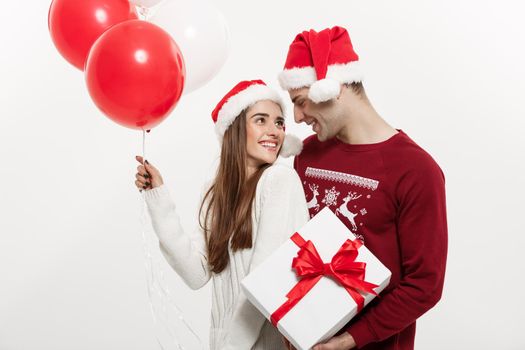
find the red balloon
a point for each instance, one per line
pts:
(76, 24)
(135, 74)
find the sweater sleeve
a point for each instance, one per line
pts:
(282, 211)
(185, 253)
(422, 235)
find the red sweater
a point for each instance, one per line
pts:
(391, 195)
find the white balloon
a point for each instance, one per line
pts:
(145, 3)
(201, 32)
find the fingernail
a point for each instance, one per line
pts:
(146, 176)
(147, 184)
(146, 161)
(144, 187)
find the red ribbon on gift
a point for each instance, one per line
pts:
(310, 268)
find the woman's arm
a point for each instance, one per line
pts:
(185, 253)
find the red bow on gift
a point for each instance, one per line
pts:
(310, 268)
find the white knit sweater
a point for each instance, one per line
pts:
(279, 209)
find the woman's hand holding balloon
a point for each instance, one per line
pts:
(147, 176)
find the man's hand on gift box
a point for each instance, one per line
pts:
(340, 342)
(288, 345)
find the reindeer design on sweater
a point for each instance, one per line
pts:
(313, 202)
(343, 209)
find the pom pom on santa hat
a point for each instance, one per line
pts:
(242, 96)
(321, 61)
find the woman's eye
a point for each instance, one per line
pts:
(259, 121)
(280, 123)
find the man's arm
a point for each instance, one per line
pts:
(422, 234)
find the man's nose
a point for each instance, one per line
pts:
(298, 115)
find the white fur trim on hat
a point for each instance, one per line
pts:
(296, 78)
(324, 90)
(292, 146)
(244, 99)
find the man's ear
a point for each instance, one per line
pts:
(345, 88)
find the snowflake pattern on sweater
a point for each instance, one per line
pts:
(350, 209)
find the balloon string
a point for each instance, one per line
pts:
(148, 257)
(159, 286)
(143, 145)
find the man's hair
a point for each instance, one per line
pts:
(357, 88)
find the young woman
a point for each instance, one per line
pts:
(250, 209)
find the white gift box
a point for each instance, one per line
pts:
(328, 306)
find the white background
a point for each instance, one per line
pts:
(449, 73)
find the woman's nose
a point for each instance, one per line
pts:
(272, 129)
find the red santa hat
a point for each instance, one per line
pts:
(321, 61)
(244, 95)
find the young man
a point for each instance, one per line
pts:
(387, 190)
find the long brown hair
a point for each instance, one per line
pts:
(230, 198)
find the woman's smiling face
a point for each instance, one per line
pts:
(264, 133)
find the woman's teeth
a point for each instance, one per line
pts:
(270, 145)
